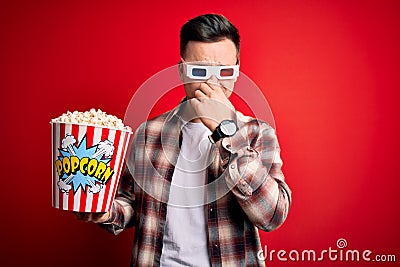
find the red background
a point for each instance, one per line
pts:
(329, 70)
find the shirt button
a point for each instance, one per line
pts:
(211, 209)
(215, 246)
(232, 166)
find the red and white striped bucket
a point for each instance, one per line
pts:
(87, 164)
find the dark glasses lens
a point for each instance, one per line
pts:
(226, 72)
(197, 72)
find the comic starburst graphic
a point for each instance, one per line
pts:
(78, 179)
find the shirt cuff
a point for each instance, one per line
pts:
(243, 162)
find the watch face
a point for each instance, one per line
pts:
(228, 127)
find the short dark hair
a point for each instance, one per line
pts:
(208, 28)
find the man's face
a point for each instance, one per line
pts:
(218, 53)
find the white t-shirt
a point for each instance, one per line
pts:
(185, 235)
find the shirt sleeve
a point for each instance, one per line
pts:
(255, 176)
(121, 212)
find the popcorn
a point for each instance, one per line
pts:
(92, 117)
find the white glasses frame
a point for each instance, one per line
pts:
(210, 70)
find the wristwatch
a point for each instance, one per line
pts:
(226, 128)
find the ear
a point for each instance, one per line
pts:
(237, 63)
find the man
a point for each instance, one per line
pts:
(203, 178)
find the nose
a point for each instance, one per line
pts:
(227, 85)
(213, 80)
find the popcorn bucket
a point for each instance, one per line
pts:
(87, 164)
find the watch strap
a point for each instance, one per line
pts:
(216, 135)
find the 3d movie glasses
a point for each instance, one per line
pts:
(204, 72)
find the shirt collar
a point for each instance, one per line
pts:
(177, 111)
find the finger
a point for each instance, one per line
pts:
(206, 89)
(199, 94)
(213, 85)
(89, 217)
(97, 216)
(79, 215)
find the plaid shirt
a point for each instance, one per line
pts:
(246, 191)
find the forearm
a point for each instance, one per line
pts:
(265, 200)
(253, 172)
